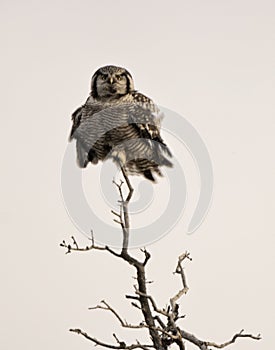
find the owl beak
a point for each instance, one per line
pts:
(111, 80)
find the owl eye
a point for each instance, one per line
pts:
(119, 77)
(103, 76)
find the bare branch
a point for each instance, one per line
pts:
(117, 340)
(74, 242)
(131, 297)
(119, 187)
(180, 343)
(122, 345)
(157, 318)
(136, 306)
(131, 190)
(116, 214)
(124, 215)
(234, 338)
(156, 309)
(147, 256)
(204, 345)
(194, 340)
(119, 222)
(75, 247)
(179, 270)
(112, 310)
(112, 252)
(128, 325)
(167, 332)
(158, 329)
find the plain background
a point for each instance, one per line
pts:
(212, 61)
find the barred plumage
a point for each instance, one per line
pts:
(120, 123)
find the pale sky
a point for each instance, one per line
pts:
(211, 61)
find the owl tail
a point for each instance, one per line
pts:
(145, 167)
(148, 175)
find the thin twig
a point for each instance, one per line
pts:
(110, 346)
(234, 338)
(116, 214)
(131, 297)
(147, 256)
(75, 247)
(114, 312)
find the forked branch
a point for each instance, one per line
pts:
(160, 322)
(180, 270)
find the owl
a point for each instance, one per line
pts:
(117, 122)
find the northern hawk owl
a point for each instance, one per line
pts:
(120, 123)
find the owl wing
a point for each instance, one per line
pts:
(82, 154)
(97, 130)
(146, 119)
(79, 116)
(76, 119)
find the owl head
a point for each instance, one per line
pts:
(111, 82)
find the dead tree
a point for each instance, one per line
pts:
(161, 323)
